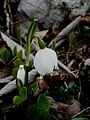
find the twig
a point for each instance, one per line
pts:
(60, 42)
(66, 30)
(12, 44)
(71, 63)
(11, 61)
(66, 69)
(6, 80)
(81, 112)
(7, 11)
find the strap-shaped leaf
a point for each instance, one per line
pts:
(19, 84)
(31, 30)
(23, 93)
(30, 35)
(40, 42)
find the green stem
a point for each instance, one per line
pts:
(26, 76)
(30, 35)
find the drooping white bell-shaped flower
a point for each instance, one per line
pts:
(21, 73)
(45, 61)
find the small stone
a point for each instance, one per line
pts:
(87, 62)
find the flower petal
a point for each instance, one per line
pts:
(45, 60)
(21, 73)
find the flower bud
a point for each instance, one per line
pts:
(21, 73)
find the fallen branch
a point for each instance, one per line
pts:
(71, 63)
(60, 42)
(12, 44)
(81, 112)
(66, 30)
(66, 69)
(6, 79)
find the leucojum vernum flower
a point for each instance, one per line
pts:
(45, 61)
(21, 74)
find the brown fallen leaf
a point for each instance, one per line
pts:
(5, 72)
(73, 109)
(67, 109)
(84, 19)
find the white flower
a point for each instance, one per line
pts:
(45, 61)
(21, 73)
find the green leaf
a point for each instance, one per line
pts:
(14, 72)
(53, 45)
(17, 100)
(32, 30)
(26, 51)
(17, 62)
(33, 113)
(26, 75)
(45, 91)
(14, 52)
(71, 41)
(41, 43)
(19, 33)
(4, 54)
(19, 54)
(71, 37)
(32, 88)
(23, 93)
(30, 35)
(30, 64)
(81, 118)
(40, 111)
(19, 84)
(43, 103)
(43, 107)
